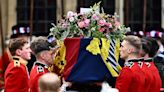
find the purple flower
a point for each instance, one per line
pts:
(95, 17)
(64, 25)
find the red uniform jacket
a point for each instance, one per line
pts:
(37, 70)
(131, 78)
(16, 76)
(4, 61)
(157, 83)
(148, 77)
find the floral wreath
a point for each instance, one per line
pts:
(90, 24)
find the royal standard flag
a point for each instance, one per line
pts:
(90, 60)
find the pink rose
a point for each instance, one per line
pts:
(117, 23)
(101, 30)
(109, 25)
(102, 22)
(86, 21)
(81, 24)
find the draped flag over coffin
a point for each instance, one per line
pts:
(91, 59)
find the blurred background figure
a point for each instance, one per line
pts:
(4, 61)
(49, 82)
(159, 61)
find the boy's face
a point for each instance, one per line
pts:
(47, 56)
(25, 52)
(125, 50)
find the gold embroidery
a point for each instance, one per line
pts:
(93, 47)
(16, 63)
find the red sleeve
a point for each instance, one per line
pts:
(16, 80)
(34, 83)
(1, 75)
(1, 79)
(6, 59)
(124, 80)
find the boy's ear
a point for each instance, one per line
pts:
(18, 52)
(43, 54)
(130, 50)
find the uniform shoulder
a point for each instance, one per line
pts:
(16, 62)
(129, 64)
(40, 67)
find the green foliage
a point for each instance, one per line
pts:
(90, 24)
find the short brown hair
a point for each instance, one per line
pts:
(146, 44)
(39, 44)
(153, 46)
(16, 43)
(134, 41)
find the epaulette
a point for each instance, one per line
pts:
(129, 64)
(40, 64)
(147, 64)
(140, 64)
(16, 62)
(40, 69)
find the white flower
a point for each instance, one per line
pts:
(71, 19)
(69, 14)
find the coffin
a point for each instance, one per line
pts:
(88, 60)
